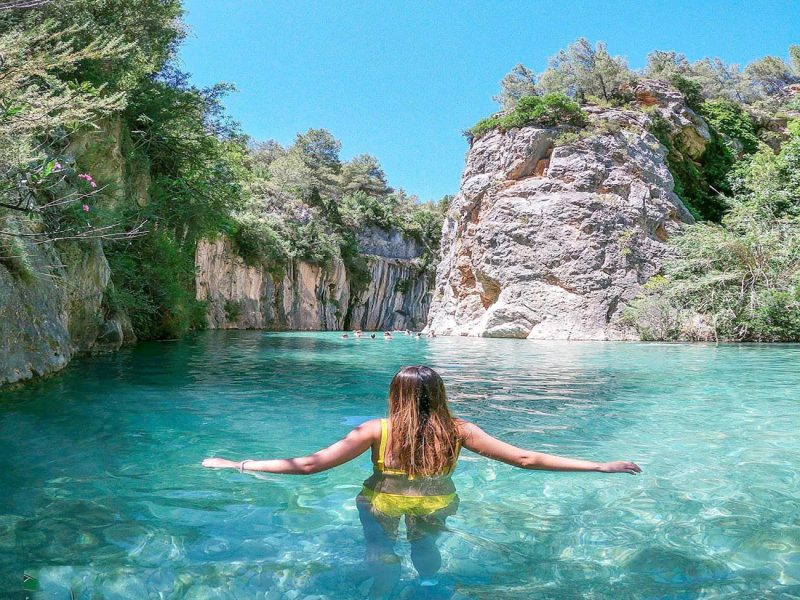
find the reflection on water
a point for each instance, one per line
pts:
(102, 492)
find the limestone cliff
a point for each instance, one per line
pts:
(51, 295)
(51, 307)
(309, 297)
(549, 237)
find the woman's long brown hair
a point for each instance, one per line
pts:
(424, 435)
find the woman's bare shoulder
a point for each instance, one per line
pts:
(373, 426)
(465, 428)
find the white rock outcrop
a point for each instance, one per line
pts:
(549, 241)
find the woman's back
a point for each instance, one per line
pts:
(414, 453)
(393, 491)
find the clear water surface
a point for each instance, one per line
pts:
(102, 494)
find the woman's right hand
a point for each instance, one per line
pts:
(620, 466)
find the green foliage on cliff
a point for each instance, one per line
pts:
(310, 205)
(733, 122)
(543, 111)
(742, 277)
(99, 79)
(735, 274)
(700, 185)
(103, 72)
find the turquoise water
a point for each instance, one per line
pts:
(102, 495)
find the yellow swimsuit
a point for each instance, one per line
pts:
(394, 492)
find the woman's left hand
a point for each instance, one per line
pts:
(620, 466)
(217, 463)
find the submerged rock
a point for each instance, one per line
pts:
(548, 240)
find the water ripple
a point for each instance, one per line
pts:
(103, 495)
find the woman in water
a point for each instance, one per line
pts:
(414, 453)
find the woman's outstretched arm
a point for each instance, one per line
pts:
(352, 445)
(477, 440)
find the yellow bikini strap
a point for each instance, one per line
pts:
(382, 448)
(458, 450)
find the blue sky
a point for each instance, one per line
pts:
(401, 80)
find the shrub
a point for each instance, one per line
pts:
(233, 310)
(691, 90)
(777, 315)
(402, 286)
(357, 266)
(313, 243)
(731, 120)
(565, 138)
(700, 186)
(14, 254)
(259, 244)
(545, 111)
(153, 281)
(741, 277)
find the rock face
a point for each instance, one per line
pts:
(241, 297)
(51, 307)
(51, 298)
(549, 241)
(398, 297)
(309, 297)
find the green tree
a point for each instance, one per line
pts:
(519, 82)
(151, 30)
(310, 168)
(364, 173)
(665, 65)
(794, 57)
(261, 155)
(320, 148)
(769, 75)
(39, 96)
(583, 71)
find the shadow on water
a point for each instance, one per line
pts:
(102, 489)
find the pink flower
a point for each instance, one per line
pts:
(85, 177)
(85, 208)
(57, 167)
(93, 184)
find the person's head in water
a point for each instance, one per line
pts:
(424, 434)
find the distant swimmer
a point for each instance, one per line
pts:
(345, 336)
(431, 333)
(387, 335)
(419, 334)
(357, 333)
(372, 336)
(407, 332)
